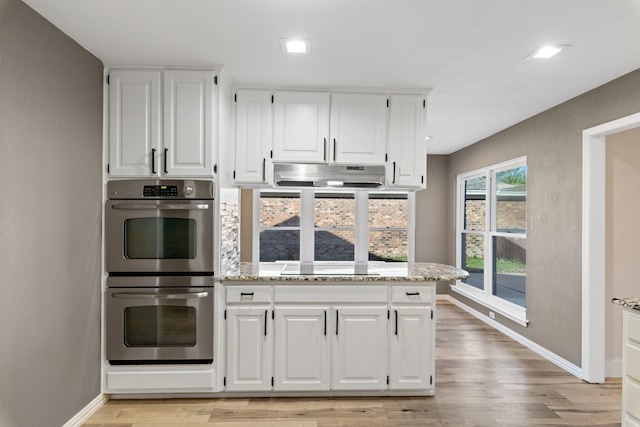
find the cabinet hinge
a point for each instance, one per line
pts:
(272, 382)
(272, 99)
(424, 103)
(430, 379)
(215, 80)
(387, 107)
(387, 379)
(431, 314)
(235, 97)
(224, 381)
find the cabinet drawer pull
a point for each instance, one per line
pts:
(412, 294)
(246, 294)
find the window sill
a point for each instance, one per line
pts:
(512, 312)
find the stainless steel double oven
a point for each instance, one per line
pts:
(160, 260)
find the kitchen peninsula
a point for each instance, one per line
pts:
(335, 328)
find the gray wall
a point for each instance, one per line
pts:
(50, 219)
(432, 236)
(552, 142)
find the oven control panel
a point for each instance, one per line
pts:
(160, 191)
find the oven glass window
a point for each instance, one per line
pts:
(160, 326)
(160, 238)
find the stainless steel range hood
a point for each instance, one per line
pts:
(332, 176)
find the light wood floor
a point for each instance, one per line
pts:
(483, 378)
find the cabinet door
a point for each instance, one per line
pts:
(134, 122)
(360, 356)
(253, 136)
(411, 348)
(188, 123)
(407, 165)
(301, 349)
(359, 128)
(301, 126)
(249, 349)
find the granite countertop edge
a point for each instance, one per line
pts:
(411, 272)
(632, 303)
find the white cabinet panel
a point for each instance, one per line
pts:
(301, 126)
(134, 122)
(360, 348)
(249, 349)
(359, 128)
(407, 165)
(254, 136)
(188, 123)
(411, 348)
(302, 348)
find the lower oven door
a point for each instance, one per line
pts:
(159, 325)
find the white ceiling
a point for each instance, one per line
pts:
(469, 52)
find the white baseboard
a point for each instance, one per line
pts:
(613, 368)
(87, 411)
(536, 348)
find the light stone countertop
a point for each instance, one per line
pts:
(344, 271)
(633, 303)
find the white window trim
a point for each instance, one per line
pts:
(503, 307)
(307, 225)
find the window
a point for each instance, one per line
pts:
(492, 237)
(316, 225)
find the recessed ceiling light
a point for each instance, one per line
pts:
(295, 45)
(546, 52)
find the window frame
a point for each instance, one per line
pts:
(307, 227)
(485, 296)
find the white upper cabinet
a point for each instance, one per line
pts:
(301, 126)
(134, 122)
(358, 128)
(148, 138)
(407, 165)
(188, 123)
(254, 136)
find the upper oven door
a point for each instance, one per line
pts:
(159, 236)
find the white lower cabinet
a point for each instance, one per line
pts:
(360, 353)
(249, 349)
(302, 349)
(330, 338)
(410, 349)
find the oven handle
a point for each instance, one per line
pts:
(161, 207)
(187, 295)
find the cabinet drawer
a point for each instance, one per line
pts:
(632, 398)
(332, 294)
(412, 294)
(249, 294)
(633, 327)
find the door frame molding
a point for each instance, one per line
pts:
(593, 243)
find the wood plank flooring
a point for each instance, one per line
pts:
(483, 378)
